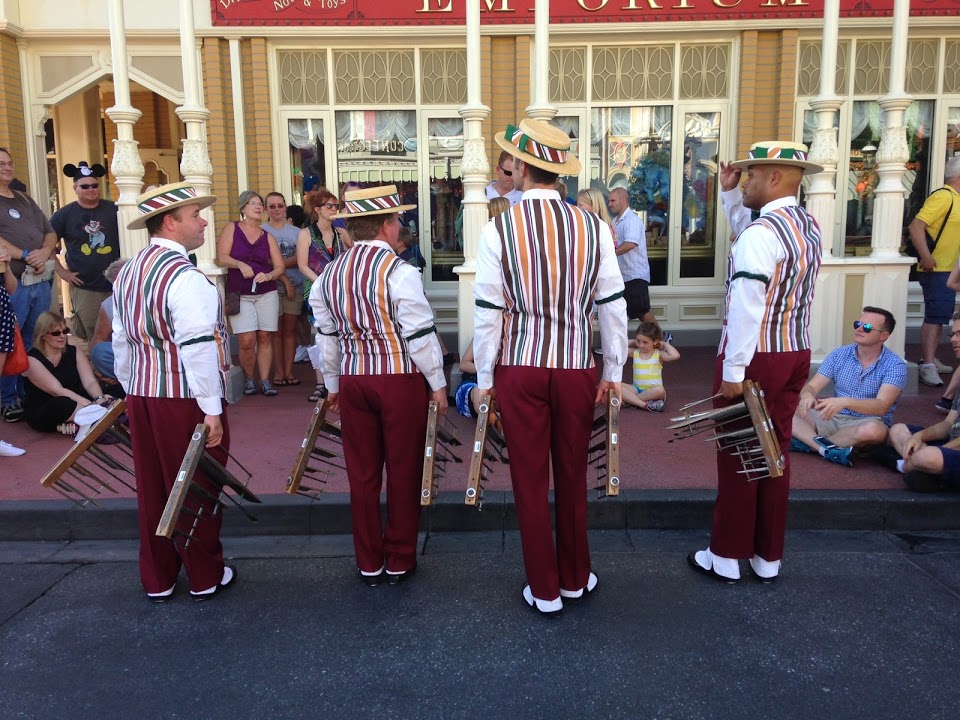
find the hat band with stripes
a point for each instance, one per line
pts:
(527, 144)
(366, 205)
(158, 202)
(777, 153)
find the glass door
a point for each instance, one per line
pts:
(440, 222)
(307, 156)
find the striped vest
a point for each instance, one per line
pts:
(550, 261)
(140, 301)
(789, 300)
(357, 294)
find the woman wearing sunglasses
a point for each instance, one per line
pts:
(60, 380)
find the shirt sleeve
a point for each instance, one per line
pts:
(935, 208)
(611, 309)
(738, 215)
(490, 305)
(828, 368)
(756, 254)
(121, 351)
(327, 341)
(896, 374)
(57, 223)
(415, 318)
(194, 307)
(631, 229)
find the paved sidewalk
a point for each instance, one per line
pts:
(860, 625)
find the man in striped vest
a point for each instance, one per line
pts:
(379, 351)
(171, 352)
(540, 268)
(772, 271)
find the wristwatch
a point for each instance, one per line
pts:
(25, 253)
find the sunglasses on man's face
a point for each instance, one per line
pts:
(867, 327)
(94, 186)
(508, 173)
(58, 333)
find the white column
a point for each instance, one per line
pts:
(475, 170)
(34, 118)
(541, 108)
(892, 156)
(239, 130)
(826, 328)
(195, 164)
(126, 167)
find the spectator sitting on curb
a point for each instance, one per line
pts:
(931, 456)
(868, 380)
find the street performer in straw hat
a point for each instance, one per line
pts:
(379, 352)
(171, 351)
(772, 271)
(540, 268)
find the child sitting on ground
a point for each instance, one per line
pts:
(651, 350)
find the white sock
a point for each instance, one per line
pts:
(728, 567)
(900, 466)
(765, 568)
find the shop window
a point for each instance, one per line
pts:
(307, 158)
(703, 71)
(443, 243)
(951, 67)
(862, 178)
(952, 144)
(633, 73)
(809, 64)
(630, 148)
(701, 149)
(567, 75)
(368, 77)
(302, 77)
(443, 77)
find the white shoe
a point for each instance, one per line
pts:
(8, 450)
(941, 368)
(929, 376)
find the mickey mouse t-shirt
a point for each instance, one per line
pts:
(92, 240)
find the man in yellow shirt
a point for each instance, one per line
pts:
(939, 218)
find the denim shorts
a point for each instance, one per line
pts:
(951, 457)
(938, 299)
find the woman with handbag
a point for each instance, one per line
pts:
(318, 244)
(8, 331)
(253, 261)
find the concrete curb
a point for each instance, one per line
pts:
(873, 510)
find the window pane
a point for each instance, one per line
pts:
(630, 148)
(953, 132)
(445, 250)
(571, 126)
(701, 150)
(307, 159)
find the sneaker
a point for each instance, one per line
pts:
(266, 387)
(797, 446)
(8, 450)
(249, 387)
(929, 376)
(942, 368)
(840, 455)
(944, 405)
(302, 355)
(655, 405)
(12, 413)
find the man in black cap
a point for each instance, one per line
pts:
(88, 229)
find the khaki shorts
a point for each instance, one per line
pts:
(288, 306)
(257, 312)
(826, 428)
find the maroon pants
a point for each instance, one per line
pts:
(160, 429)
(750, 517)
(547, 416)
(384, 420)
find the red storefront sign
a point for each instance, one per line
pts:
(379, 13)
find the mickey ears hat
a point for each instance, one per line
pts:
(84, 171)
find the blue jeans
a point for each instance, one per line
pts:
(102, 358)
(28, 302)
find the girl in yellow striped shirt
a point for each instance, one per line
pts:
(651, 350)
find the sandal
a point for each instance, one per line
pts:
(291, 381)
(267, 389)
(249, 387)
(68, 428)
(318, 394)
(282, 382)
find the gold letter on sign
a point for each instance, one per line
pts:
(632, 5)
(600, 5)
(504, 5)
(438, 8)
(784, 3)
(720, 3)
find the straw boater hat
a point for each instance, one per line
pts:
(376, 200)
(167, 197)
(539, 143)
(778, 153)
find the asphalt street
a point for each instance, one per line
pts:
(860, 625)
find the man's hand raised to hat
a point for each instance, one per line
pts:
(729, 176)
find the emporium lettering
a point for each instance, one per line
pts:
(447, 6)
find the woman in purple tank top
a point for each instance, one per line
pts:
(254, 262)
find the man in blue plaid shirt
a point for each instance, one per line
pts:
(868, 379)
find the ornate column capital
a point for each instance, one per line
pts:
(195, 162)
(126, 161)
(474, 160)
